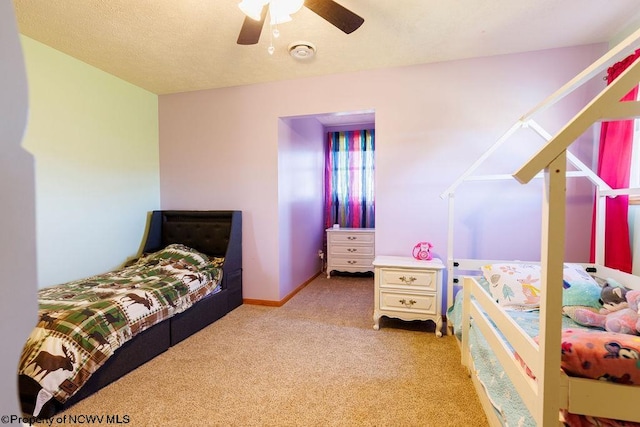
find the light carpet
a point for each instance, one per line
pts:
(315, 361)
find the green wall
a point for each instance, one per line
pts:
(95, 142)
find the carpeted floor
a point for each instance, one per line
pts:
(316, 361)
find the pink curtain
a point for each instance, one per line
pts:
(349, 169)
(614, 165)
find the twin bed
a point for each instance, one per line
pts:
(503, 348)
(93, 331)
(530, 362)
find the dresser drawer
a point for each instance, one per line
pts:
(354, 238)
(403, 279)
(411, 303)
(351, 250)
(351, 261)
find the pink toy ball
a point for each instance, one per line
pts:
(422, 251)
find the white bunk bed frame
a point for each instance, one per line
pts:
(553, 390)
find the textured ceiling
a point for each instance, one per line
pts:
(168, 46)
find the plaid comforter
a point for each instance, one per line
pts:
(82, 323)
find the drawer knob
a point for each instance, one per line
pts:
(351, 261)
(351, 237)
(407, 303)
(408, 280)
(352, 250)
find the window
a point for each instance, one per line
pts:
(349, 179)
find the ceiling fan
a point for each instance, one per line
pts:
(256, 11)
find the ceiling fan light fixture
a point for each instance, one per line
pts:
(280, 11)
(252, 8)
(302, 50)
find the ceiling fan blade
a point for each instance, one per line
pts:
(251, 29)
(337, 15)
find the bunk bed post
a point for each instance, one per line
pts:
(450, 266)
(552, 264)
(600, 218)
(466, 325)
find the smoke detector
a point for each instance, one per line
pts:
(302, 50)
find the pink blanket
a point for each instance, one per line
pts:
(609, 356)
(602, 355)
(591, 353)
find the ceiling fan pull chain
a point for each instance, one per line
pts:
(271, 49)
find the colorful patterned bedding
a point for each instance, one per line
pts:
(508, 406)
(586, 352)
(82, 323)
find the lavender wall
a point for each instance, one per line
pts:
(300, 200)
(219, 149)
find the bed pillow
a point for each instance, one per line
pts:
(176, 252)
(575, 273)
(517, 285)
(514, 285)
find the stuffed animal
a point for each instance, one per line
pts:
(613, 298)
(625, 320)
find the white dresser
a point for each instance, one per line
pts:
(408, 289)
(350, 250)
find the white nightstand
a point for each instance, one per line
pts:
(350, 249)
(408, 289)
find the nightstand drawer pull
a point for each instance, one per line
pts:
(352, 250)
(351, 261)
(352, 238)
(408, 280)
(407, 303)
